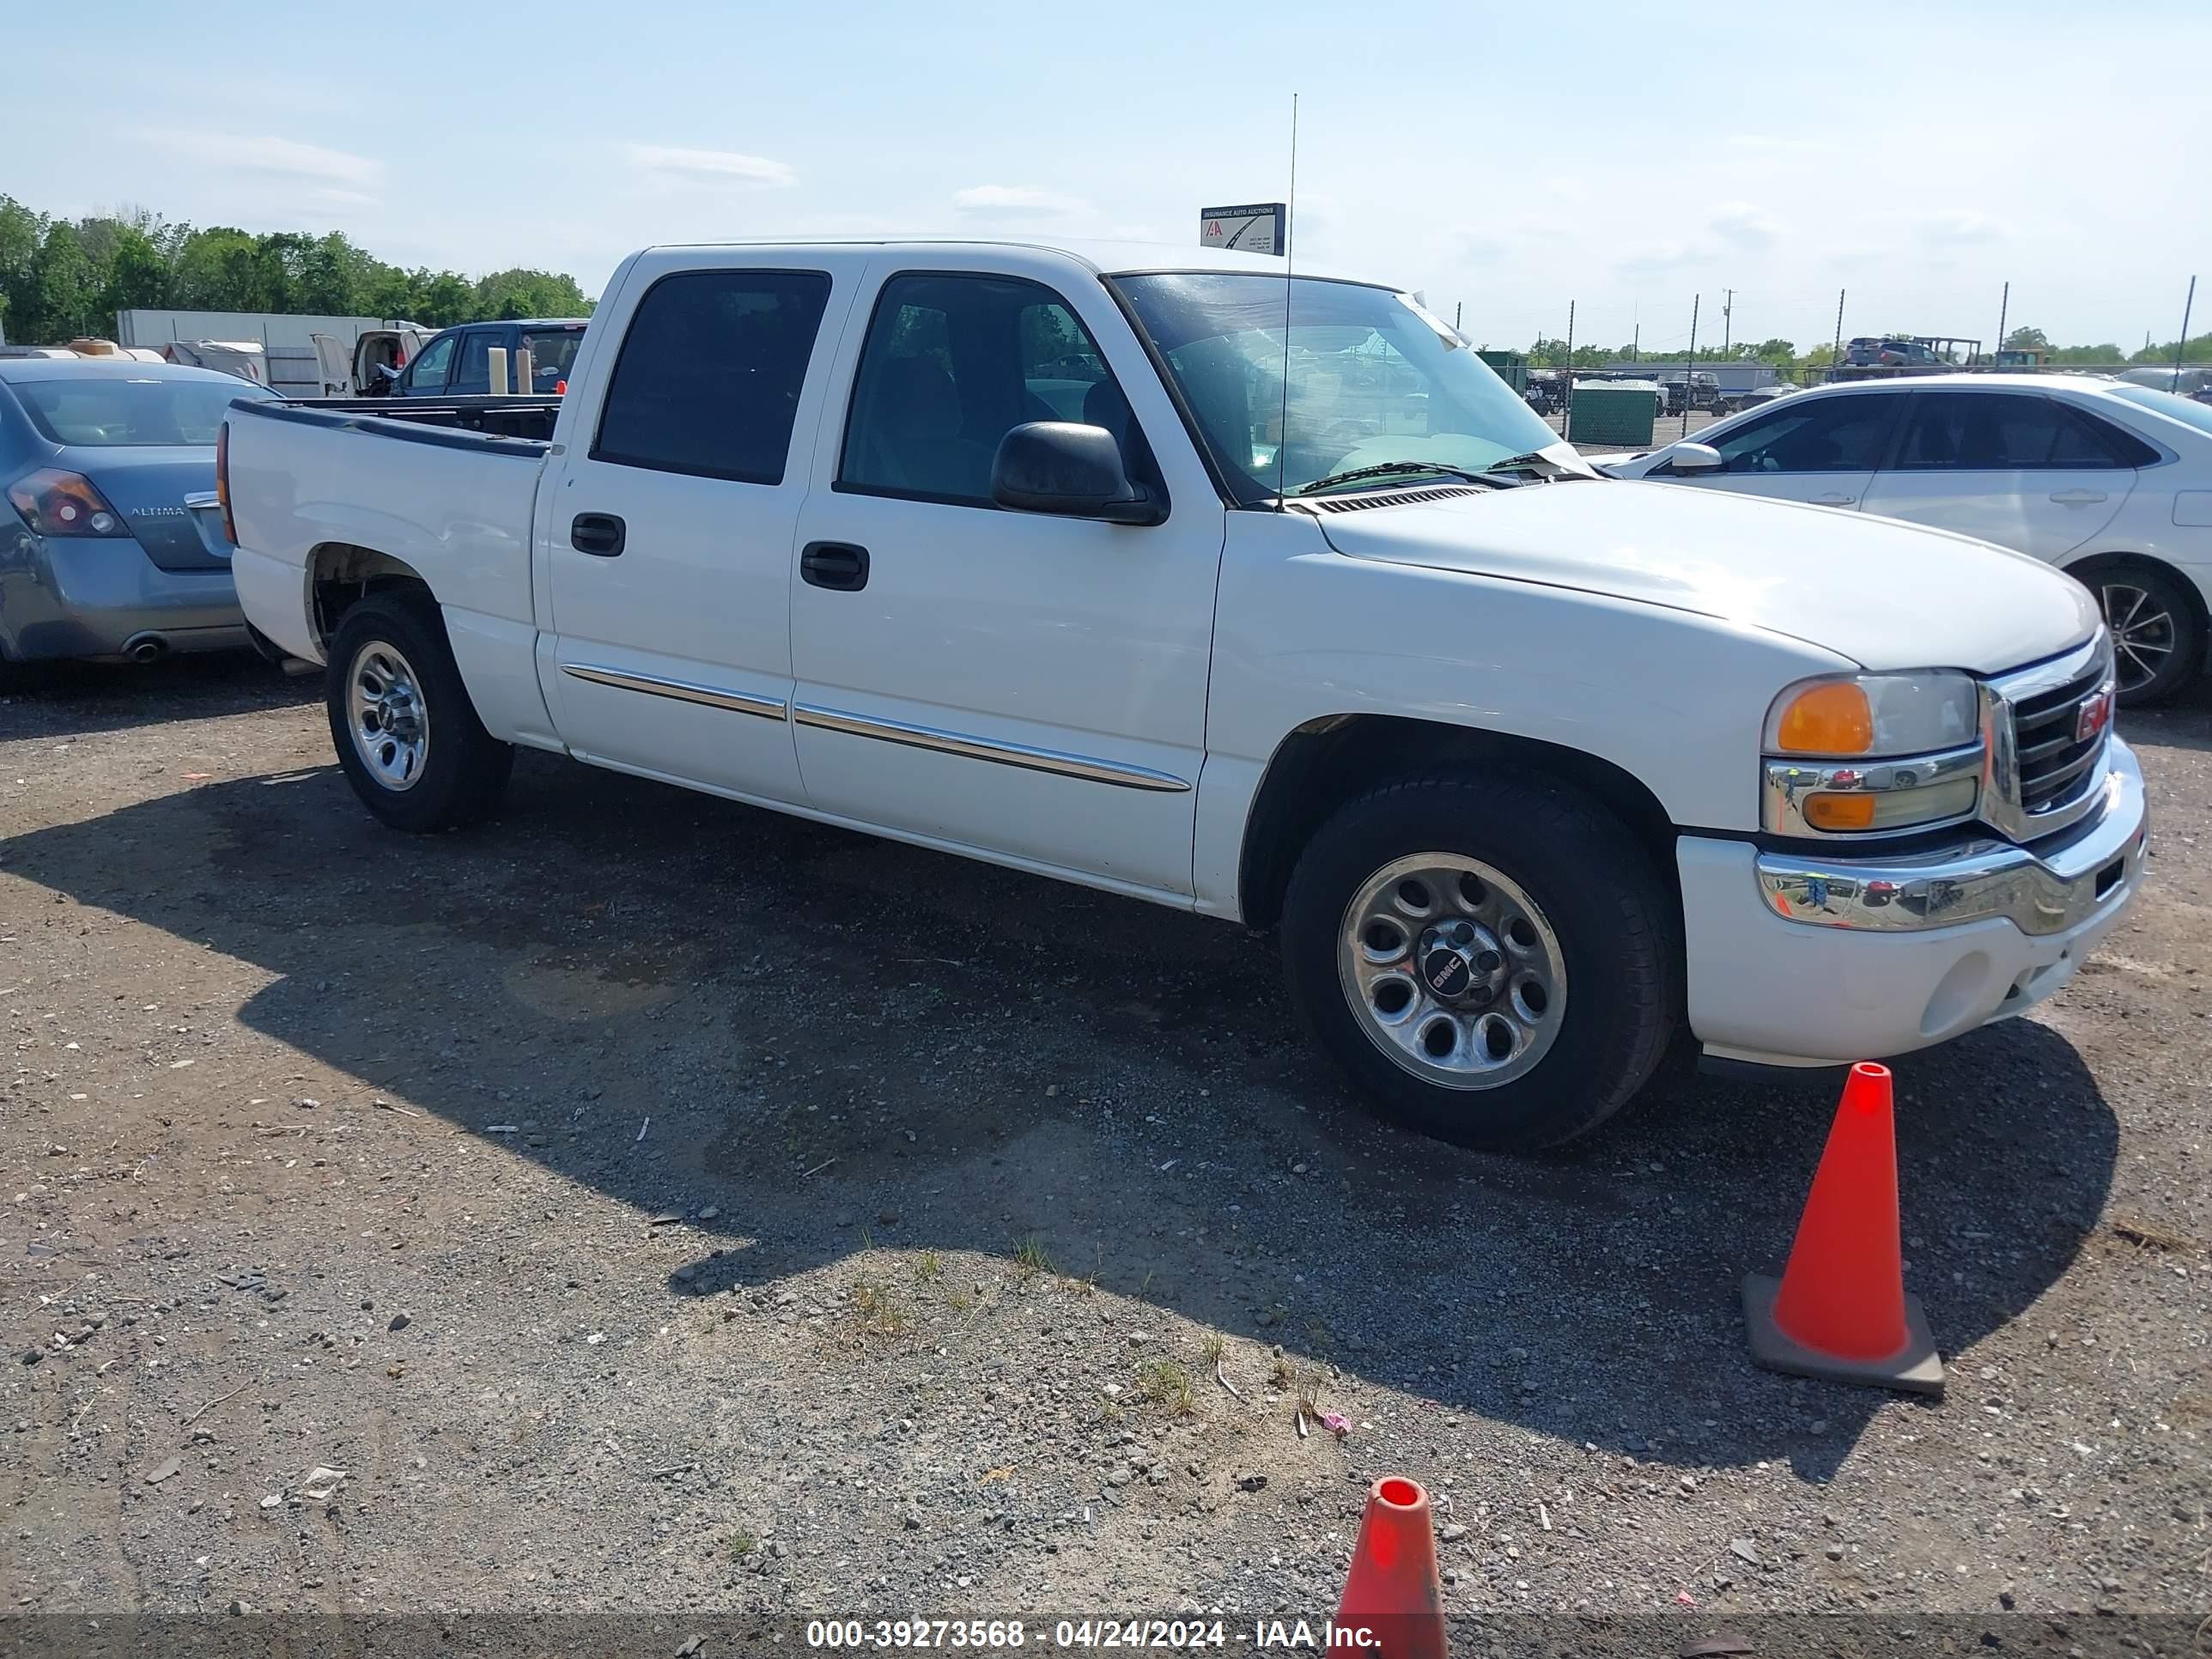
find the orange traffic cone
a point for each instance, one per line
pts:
(1840, 1311)
(1392, 1591)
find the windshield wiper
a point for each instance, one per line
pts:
(1385, 468)
(1535, 461)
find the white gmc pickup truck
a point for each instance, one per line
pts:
(1067, 558)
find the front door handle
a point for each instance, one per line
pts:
(599, 534)
(2078, 497)
(1832, 499)
(839, 566)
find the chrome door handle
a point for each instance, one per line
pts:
(2078, 497)
(1832, 499)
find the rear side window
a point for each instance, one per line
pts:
(474, 375)
(2001, 431)
(709, 379)
(1814, 434)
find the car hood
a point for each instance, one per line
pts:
(1885, 595)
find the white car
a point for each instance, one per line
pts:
(2110, 482)
(1006, 551)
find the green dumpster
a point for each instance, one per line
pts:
(1615, 411)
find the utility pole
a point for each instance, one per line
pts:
(2004, 308)
(1458, 306)
(1636, 346)
(1836, 355)
(1727, 317)
(2181, 347)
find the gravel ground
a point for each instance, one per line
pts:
(649, 1203)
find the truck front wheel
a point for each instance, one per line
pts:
(406, 733)
(1489, 957)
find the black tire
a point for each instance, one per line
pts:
(2129, 592)
(464, 769)
(1614, 921)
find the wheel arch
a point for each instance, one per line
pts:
(340, 574)
(1328, 761)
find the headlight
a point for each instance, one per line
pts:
(1873, 753)
(1866, 714)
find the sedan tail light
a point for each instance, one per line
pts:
(58, 503)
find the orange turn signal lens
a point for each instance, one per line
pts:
(1833, 718)
(1839, 813)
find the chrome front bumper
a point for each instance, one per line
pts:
(2055, 886)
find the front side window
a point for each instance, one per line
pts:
(127, 411)
(2001, 431)
(710, 373)
(954, 361)
(1372, 379)
(431, 368)
(1814, 434)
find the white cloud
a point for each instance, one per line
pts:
(279, 156)
(1661, 257)
(1953, 229)
(1017, 202)
(1744, 225)
(671, 163)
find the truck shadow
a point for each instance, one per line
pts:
(841, 1040)
(71, 699)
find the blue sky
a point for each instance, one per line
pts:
(1507, 159)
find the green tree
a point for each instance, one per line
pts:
(22, 231)
(520, 293)
(2028, 339)
(138, 272)
(335, 278)
(65, 287)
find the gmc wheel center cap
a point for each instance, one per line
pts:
(1461, 963)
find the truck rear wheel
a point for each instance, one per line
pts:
(406, 733)
(1489, 957)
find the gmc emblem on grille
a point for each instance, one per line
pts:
(2094, 715)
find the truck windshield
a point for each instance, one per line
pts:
(1373, 378)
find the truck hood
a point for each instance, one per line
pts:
(1885, 594)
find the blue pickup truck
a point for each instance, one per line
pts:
(457, 361)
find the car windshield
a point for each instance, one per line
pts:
(1373, 379)
(2187, 410)
(119, 411)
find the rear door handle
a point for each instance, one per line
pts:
(1832, 499)
(2078, 497)
(599, 534)
(839, 566)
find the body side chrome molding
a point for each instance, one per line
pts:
(1086, 767)
(652, 685)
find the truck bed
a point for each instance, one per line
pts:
(526, 418)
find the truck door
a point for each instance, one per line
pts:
(1025, 686)
(666, 530)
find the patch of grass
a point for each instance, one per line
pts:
(741, 1543)
(1283, 1373)
(929, 1268)
(2143, 1233)
(1319, 1336)
(1030, 1258)
(959, 1301)
(1166, 1384)
(1216, 1346)
(875, 1311)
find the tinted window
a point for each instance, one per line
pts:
(552, 354)
(950, 364)
(124, 412)
(430, 369)
(1814, 434)
(474, 375)
(710, 372)
(1997, 432)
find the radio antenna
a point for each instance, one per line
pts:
(1290, 233)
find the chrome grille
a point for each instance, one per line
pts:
(2044, 777)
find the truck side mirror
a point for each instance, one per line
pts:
(1070, 469)
(1694, 457)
